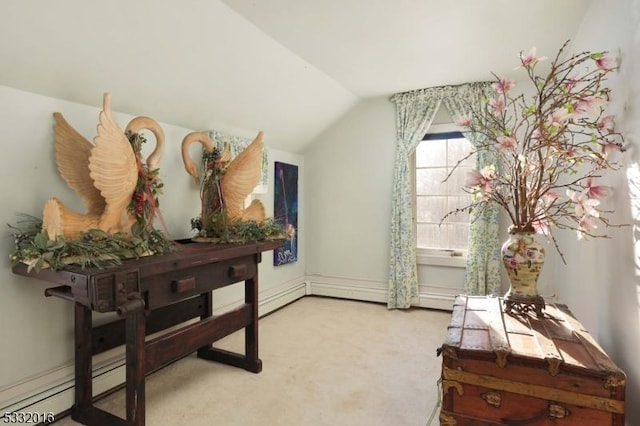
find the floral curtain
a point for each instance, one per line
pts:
(483, 258)
(236, 146)
(414, 112)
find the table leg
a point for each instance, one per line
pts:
(135, 357)
(83, 370)
(83, 410)
(251, 331)
(249, 361)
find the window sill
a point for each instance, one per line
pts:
(441, 260)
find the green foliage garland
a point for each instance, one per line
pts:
(95, 247)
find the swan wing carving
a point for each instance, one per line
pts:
(104, 174)
(72, 151)
(241, 177)
(113, 168)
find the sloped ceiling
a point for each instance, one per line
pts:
(379, 47)
(288, 67)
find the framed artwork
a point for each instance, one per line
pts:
(285, 211)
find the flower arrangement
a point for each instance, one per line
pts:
(547, 149)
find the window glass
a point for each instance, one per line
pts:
(435, 159)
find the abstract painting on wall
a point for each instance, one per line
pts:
(285, 211)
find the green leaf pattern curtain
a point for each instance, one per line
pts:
(483, 256)
(414, 112)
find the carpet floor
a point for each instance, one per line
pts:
(325, 362)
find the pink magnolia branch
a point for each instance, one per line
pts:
(548, 148)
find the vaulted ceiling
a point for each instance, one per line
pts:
(288, 67)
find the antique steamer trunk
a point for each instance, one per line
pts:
(512, 369)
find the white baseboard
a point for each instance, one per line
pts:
(375, 291)
(53, 391)
(347, 288)
(440, 301)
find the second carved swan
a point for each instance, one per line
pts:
(227, 182)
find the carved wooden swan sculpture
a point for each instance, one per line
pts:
(104, 174)
(227, 183)
(202, 138)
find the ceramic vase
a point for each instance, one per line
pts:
(523, 258)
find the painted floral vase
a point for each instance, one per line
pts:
(523, 257)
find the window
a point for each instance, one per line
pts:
(435, 158)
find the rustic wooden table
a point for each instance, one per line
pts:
(152, 294)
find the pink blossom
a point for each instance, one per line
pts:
(498, 104)
(474, 178)
(541, 226)
(536, 134)
(530, 58)
(503, 85)
(464, 121)
(507, 142)
(583, 205)
(606, 62)
(570, 82)
(549, 198)
(596, 191)
(560, 116)
(481, 179)
(571, 152)
(609, 147)
(585, 225)
(588, 105)
(606, 124)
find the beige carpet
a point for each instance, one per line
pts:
(325, 362)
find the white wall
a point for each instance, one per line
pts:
(37, 332)
(600, 282)
(349, 176)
